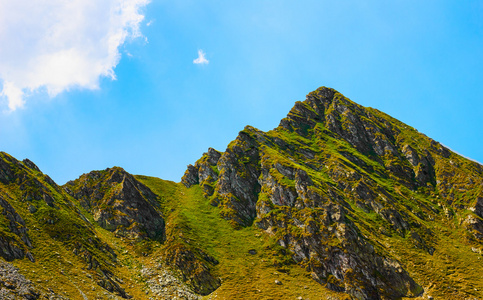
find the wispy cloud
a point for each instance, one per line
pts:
(201, 58)
(57, 45)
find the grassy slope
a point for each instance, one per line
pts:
(244, 276)
(453, 269)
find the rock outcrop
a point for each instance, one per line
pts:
(194, 268)
(204, 172)
(119, 203)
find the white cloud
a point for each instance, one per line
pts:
(59, 45)
(14, 95)
(201, 58)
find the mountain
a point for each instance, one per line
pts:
(340, 201)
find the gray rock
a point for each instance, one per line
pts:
(164, 285)
(12, 249)
(134, 207)
(14, 285)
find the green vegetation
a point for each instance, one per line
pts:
(243, 275)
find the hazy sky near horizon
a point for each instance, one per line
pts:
(150, 85)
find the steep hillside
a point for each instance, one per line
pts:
(339, 201)
(360, 199)
(41, 222)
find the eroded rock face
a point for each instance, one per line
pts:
(33, 191)
(231, 176)
(478, 208)
(26, 176)
(8, 166)
(119, 203)
(238, 187)
(11, 249)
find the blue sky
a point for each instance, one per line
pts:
(152, 111)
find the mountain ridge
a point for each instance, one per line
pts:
(346, 199)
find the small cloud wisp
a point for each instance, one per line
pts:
(201, 60)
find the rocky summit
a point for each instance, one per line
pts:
(339, 201)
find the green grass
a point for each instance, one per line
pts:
(244, 276)
(454, 270)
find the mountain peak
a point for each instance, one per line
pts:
(328, 167)
(135, 212)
